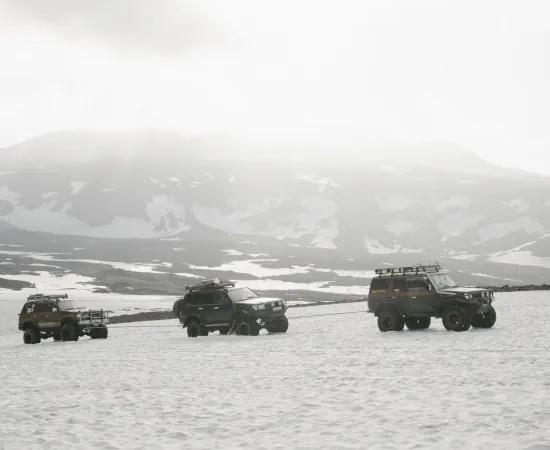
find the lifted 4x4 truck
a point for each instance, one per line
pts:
(219, 305)
(411, 296)
(45, 316)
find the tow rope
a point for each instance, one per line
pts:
(289, 318)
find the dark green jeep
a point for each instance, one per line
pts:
(219, 305)
(413, 295)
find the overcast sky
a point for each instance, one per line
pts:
(475, 73)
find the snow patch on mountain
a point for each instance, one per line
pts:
(456, 224)
(376, 248)
(399, 227)
(501, 229)
(77, 186)
(165, 215)
(395, 203)
(454, 202)
(520, 258)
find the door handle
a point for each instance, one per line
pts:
(413, 298)
(200, 309)
(216, 307)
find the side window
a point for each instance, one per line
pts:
(194, 299)
(28, 308)
(379, 285)
(213, 298)
(399, 285)
(219, 298)
(43, 307)
(417, 285)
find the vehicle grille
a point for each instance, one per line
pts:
(93, 316)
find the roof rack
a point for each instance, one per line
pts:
(430, 268)
(210, 284)
(46, 297)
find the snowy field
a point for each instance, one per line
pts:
(330, 382)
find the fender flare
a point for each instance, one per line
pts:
(386, 306)
(190, 318)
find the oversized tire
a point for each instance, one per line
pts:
(247, 328)
(31, 336)
(193, 328)
(278, 326)
(204, 331)
(390, 320)
(99, 333)
(456, 318)
(485, 320)
(424, 322)
(417, 323)
(69, 332)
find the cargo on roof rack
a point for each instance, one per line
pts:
(38, 297)
(430, 268)
(210, 284)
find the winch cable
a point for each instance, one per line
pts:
(289, 318)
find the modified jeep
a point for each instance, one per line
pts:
(45, 316)
(216, 305)
(412, 295)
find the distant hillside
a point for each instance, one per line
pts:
(349, 207)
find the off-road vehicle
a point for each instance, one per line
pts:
(45, 316)
(219, 305)
(411, 296)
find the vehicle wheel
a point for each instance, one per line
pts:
(204, 331)
(390, 320)
(69, 332)
(417, 323)
(99, 333)
(56, 336)
(485, 320)
(31, 336)
(193, 329)
(424, 322)
(279, 326)
(456, 319)
(247, 328)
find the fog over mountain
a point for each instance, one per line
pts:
(385, 203)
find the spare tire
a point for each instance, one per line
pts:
(176, 307)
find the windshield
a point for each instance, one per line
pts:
(442, 281)
(240, 294)
(68, 304)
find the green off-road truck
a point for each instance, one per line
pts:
(216, 305)
(411, 296)
(45, 316)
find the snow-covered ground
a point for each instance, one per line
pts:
(330, 382)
